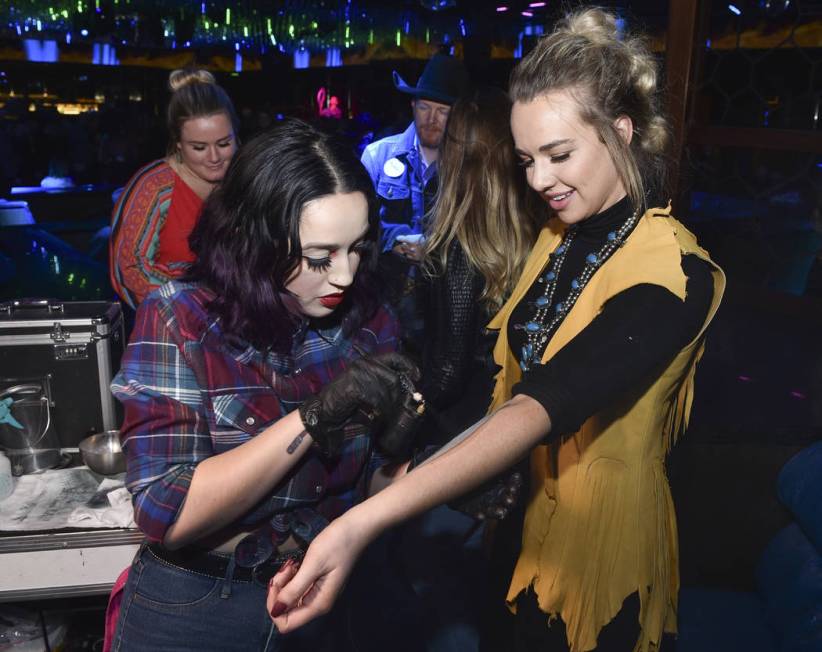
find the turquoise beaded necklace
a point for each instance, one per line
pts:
(546, 319)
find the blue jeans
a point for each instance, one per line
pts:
(168, 608)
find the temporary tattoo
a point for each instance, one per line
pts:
(294, 445)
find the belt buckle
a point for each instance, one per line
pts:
(256, 552)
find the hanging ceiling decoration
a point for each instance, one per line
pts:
(290, 26)
(315, 32)
(438, 5)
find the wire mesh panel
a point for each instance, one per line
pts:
(762, 65)
(754, 161)
(752, 170)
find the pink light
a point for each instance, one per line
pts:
(796, 394)
(528, 14)
(535, 5)
(744, 379)
(501, 9)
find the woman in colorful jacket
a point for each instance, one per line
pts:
(598, 346)
(254, 391)
(160, 204)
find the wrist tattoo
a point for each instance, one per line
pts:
(294, 445)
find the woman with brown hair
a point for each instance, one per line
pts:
(482, 228)
(480, 232)
(598, 346)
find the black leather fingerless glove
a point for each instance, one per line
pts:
(396, 440)
(372, 390)
(327, 435)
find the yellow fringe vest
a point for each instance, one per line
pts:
(600, 522)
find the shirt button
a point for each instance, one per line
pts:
(297, 371)
(318, 489)
(250, 421)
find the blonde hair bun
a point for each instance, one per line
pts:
(595, 25)
(657, 135)
(185, 76)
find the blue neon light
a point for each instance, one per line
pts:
(40, 51)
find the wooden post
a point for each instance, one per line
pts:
(679, 67)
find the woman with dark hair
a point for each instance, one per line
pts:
(256, 390)
(598, 346)
(160, 204)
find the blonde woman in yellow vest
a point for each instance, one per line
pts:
(597, 346)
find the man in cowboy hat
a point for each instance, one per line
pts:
(403, 167)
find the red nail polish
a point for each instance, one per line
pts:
(278, 609)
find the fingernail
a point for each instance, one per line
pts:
(278, 609)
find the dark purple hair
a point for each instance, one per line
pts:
(247, 241)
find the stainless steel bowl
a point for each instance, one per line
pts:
(102, 453)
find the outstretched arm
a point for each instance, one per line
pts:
(642, 329)
(295, 599)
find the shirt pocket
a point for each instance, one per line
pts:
(241, 414)
(393, 189)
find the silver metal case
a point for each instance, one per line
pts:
(72, 349)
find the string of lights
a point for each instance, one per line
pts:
(312, 32)
(253, 27)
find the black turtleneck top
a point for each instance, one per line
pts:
(638, 332)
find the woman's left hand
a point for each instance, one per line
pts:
(299, 594)
(493, 500)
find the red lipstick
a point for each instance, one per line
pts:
(332, 300)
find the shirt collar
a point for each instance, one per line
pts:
(424, 170)
(424, 165)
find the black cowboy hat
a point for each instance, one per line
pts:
(444, 79)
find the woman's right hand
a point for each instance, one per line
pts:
(299, 594)
(370, 390)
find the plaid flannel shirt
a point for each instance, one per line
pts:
(189, 394)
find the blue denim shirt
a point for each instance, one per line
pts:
(402, 204)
